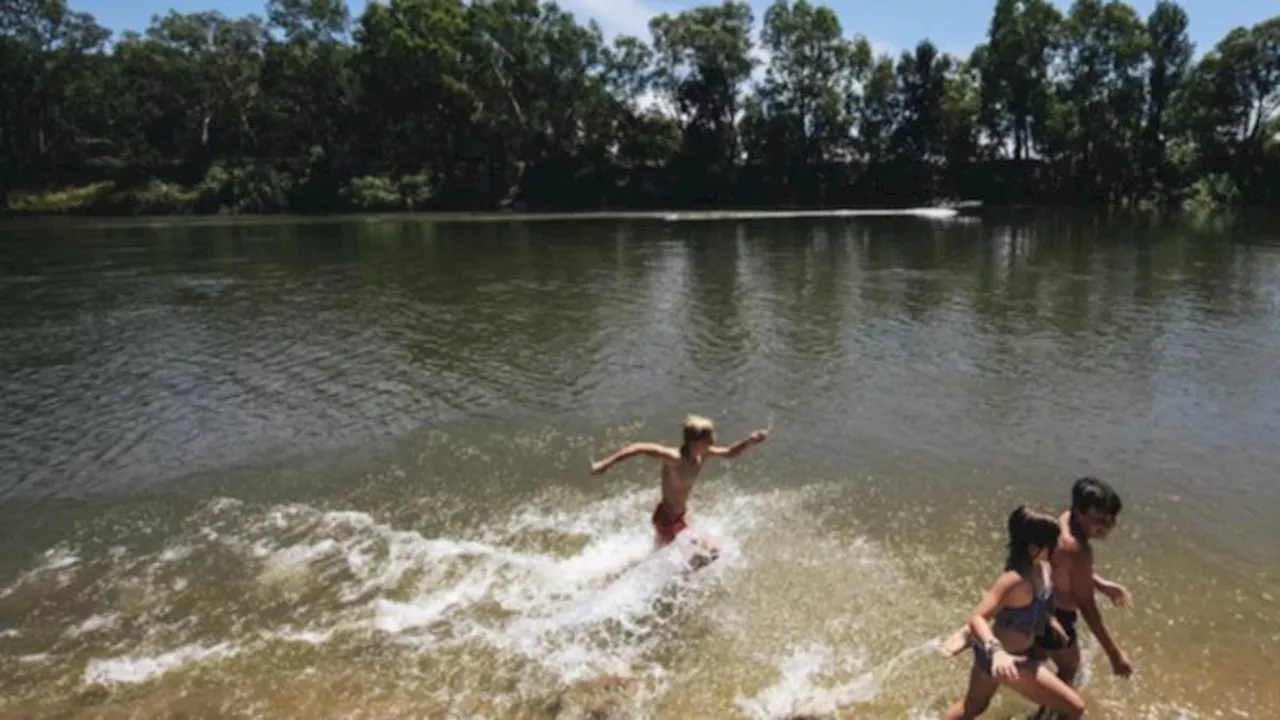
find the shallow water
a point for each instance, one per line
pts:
(338, 469)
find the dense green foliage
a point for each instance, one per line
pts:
(429, 104)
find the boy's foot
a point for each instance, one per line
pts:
(705, 552)
(701, 560)
(955, 644)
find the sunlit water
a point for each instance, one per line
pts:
(338, 469)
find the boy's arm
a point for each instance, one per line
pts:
(1117, 593)
(1082, 584)
(650, 449)
(737, 448)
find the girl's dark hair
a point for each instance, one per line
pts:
(1030, 527)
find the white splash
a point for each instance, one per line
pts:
(799, 693)
(56, 561)
(308, 637)
(795, 686)
(94, 623)
(570, 585)
(141, 668)
(59, 558)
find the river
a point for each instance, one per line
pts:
(339, 468)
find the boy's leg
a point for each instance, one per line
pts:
(1065, 655)
(1067, 662)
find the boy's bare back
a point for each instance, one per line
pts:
(678, 473)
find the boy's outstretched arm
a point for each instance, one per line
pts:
(661, 452)
(737, 448)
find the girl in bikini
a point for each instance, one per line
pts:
(1015, 610)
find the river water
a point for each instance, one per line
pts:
(337, 469)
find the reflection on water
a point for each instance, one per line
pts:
(338, 469)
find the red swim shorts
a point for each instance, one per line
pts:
(668, 523)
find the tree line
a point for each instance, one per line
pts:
(483, 104)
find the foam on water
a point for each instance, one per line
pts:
(574, 587)
(140, 668)
(58, 558)
(794, 689)
(57, 563)
(591, 612)
(801, 690)
(308, 637)
(94, 623)
(562, 591)
(928, 213)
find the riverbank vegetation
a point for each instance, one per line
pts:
(487, 104)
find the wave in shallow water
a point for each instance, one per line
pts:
(575, 593)
(303, 611)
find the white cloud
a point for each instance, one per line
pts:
(763, 57)
(883, 48)
(616, 17)
(631, 17)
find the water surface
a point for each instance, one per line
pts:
(338, 469)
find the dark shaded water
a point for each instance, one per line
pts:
(296, 469)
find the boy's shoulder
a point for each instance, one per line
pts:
(1073, 554)
(667, 452)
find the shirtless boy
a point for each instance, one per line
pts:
(680, 468)
(1094, 508)
(1095, 505)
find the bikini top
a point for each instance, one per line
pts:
(1030, 619)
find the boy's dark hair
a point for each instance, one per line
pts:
(1089, 494)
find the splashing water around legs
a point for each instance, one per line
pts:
(561, 595)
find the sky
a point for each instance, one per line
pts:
(955, 26)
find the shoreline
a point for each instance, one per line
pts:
(938, 212)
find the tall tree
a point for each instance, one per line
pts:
(1170, 52)
(1103, 47)
(416, 107)
(1015, 72)
(703, 61)
(306, 77)
(922, 82)
(50, 87)
(878, 112)
(491, 103)
(799, 113)
(1233, 96)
